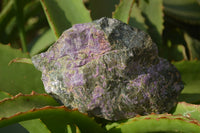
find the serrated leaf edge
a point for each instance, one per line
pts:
(43, 108)
(21, 60)
(49, 19)
(161, 116)
(33, 93)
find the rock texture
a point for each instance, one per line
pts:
(110, 70)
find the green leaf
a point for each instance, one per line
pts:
(42, 42)
(193, 46)
(58, 118)
(22, 103)
(21, 60)
(63, 13)
(153, 13)
(72, 129)
(35, 126)
(156, 123)
(187, 11)
(190, 74)
(188, 110)
(18, 77)
(4, 95)
(123, 10)
(136, 18)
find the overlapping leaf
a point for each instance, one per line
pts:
(153, 14)
(148, 16)
(35, 126)
(42, 42)
(18, 77)
(56, 119)
(123, 10)
(156, 123)
(188, 110)
(60, 14)
(24, 103)
(190, 73)
(193, 46)
(4, 95)
(136, 18)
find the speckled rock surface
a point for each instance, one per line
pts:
(110, 70)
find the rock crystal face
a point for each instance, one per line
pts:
(110, 70)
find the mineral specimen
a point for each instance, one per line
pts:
(109, 69)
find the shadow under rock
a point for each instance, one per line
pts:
(190, 98)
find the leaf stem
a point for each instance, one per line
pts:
(19, 6)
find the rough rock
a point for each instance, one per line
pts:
(109, 70)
